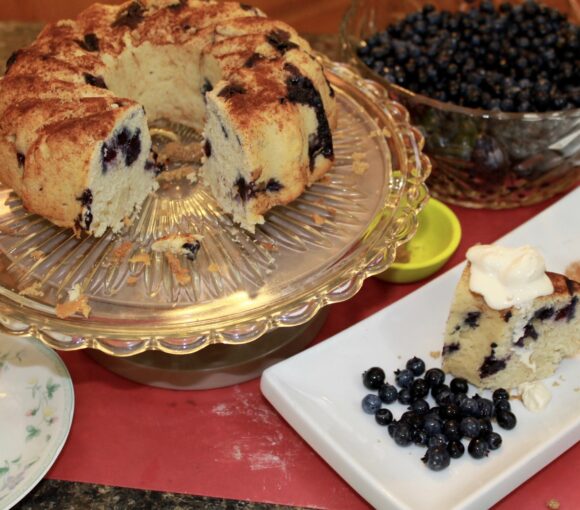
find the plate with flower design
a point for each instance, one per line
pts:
(36, 410)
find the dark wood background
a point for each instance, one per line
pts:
(313, 16)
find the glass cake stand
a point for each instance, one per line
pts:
(261, 292)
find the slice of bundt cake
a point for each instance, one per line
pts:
(247, 163)
(494, 339)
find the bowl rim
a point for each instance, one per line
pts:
(347, 44)
(445, 254)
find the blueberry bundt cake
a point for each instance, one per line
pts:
(510, 321)
(74, 108)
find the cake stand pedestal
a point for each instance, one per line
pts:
(215, 366)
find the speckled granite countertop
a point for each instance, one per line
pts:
(61, 495)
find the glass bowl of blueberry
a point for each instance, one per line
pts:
(494, 87)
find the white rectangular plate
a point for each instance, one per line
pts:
(319, 392)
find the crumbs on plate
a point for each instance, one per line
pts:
(77, 303)
(141, 257)
(318, 220)
(181, 273)
(359, 163)
(435, 354)
(553, 504)
(121, 251)
(34, 290)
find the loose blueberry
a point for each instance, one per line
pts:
(388, 393)
(444, 397)
(420, 437)
(458, 385)
(432, 425)
(485, 407)
(506, 420)
(434, 377)
(450, 412)
(416, 365)
(437, 440)
(419, 388)
(420, 406)
(470, 427)
(405, 396)
(455, 449)
(478, 448)
(404, 378)
(485, 426)
(494, 440)
(469, 407)
(402, 434)
(451, 430)
(371, 404)
(373, 378)
(437, 458)
(383, 417)
(502, 405)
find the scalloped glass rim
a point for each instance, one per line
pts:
(395, 223)
(349, 48)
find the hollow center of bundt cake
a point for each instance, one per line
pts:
(169, 84)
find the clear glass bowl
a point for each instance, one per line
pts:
(480, 158)
(316, 251)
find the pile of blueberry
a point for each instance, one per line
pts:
(441, 428)
(515, 58)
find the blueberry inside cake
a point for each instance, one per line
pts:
(75, 108)
(495, 348)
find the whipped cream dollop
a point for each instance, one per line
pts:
(507, 277)
(535, 395)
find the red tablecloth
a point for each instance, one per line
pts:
(231, 443)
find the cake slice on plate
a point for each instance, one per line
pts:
(510, 322)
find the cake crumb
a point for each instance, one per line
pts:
(38, 254)
(120, 252)
(132, 279)
(213, 268)
(318, 220)
(359, 164)
(127, 221)
(553, 504)
(34, 290)
(181, 273)
(573, 271)
(435, 354)
(555, 383)
(360, 167)
(141, 257)
(268, 246)
(577, 390)
(184, 172)
(77, 303)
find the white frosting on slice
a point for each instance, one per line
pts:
(507, 277)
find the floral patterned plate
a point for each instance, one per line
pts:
(36, 409)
